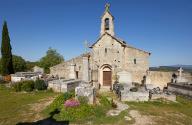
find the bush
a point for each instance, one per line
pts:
(27, 86)
(80, 113)
(40, 85)
(105, 102)
(17, 86)
(83, 100)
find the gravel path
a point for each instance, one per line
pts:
(120, 107)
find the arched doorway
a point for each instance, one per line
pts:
(106, 75)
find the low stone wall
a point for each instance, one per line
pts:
(161, 79)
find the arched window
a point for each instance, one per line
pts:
(107, 24)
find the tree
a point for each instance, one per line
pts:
(6, 62)
(51, 58)
(19, 64)
(30, 65)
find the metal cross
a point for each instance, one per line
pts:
(107, 7)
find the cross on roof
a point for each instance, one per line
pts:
(107, 7)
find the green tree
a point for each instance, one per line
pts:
(6, 62)
(51, 58)
(19, 64)
(30, 65)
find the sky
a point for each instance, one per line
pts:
(162, 27)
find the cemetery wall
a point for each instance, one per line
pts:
(161, 79)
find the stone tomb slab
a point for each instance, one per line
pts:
(134, 96)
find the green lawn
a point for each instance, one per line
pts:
(166, 113)
(16, 106)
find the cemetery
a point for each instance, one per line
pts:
(110, 84)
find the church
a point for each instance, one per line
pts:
(108, 58)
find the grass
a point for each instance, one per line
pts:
(14, 106)
(88, 114)
(166, 113)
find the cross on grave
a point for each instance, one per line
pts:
(180, 70)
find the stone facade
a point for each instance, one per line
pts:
(108, 56)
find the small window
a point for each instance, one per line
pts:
(135, 61)
(105, 50)
(107, 24)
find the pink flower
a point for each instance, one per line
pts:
(71, 103)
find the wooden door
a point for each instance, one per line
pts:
(106, 78)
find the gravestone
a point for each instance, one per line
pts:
(86, 90)
(180, 78)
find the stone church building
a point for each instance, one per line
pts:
(109, 56)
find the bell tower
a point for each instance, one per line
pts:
(107, 24)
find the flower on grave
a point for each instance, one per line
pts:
(71, 103)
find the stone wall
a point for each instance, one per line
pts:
(161, 79)
(63, 69)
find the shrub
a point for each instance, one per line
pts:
(68, 95)
(40, 85)
(71, 103)
(27, 86)
(83, 100)
(80, 113)
(104, 101)
(17, 86)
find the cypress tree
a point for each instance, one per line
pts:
(7, 65)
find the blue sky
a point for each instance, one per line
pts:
(162, 27)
